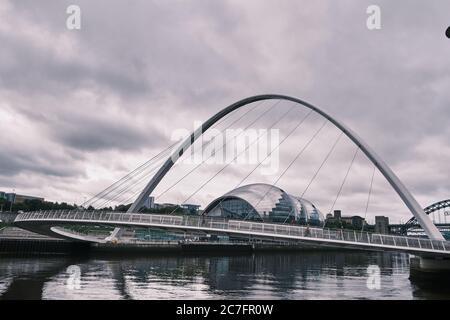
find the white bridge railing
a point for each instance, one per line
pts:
(255, 228)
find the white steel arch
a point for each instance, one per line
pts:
(426, 223)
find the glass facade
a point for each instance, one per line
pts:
(284, 211)
(262, 202)
(234, 208)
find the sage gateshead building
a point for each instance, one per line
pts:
(267, 203)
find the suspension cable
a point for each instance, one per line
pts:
(345, 178)
(124, 190)
(206, 143)
(126, 178)
(215, 151)
(292, 162)
(136, 172)
(274, 148)
(322, 164)
(316, 173)
(223, 168)
(136, 183)
(368, 197)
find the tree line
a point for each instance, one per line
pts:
(37, 205)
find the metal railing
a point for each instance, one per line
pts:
(255, 228)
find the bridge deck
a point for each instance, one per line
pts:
(44, 222)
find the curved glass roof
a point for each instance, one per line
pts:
(267, 203)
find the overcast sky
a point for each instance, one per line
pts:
(81, 108)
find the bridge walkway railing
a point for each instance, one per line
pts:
(256, 228)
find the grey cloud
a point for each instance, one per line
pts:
(13, 164)
(99, 135)
(163, 65)
(37, 70)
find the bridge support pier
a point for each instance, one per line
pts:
(430, 271)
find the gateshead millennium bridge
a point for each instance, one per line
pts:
(55, 223)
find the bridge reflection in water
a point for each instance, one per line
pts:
(308, 275)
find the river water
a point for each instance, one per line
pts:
(309, 275)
